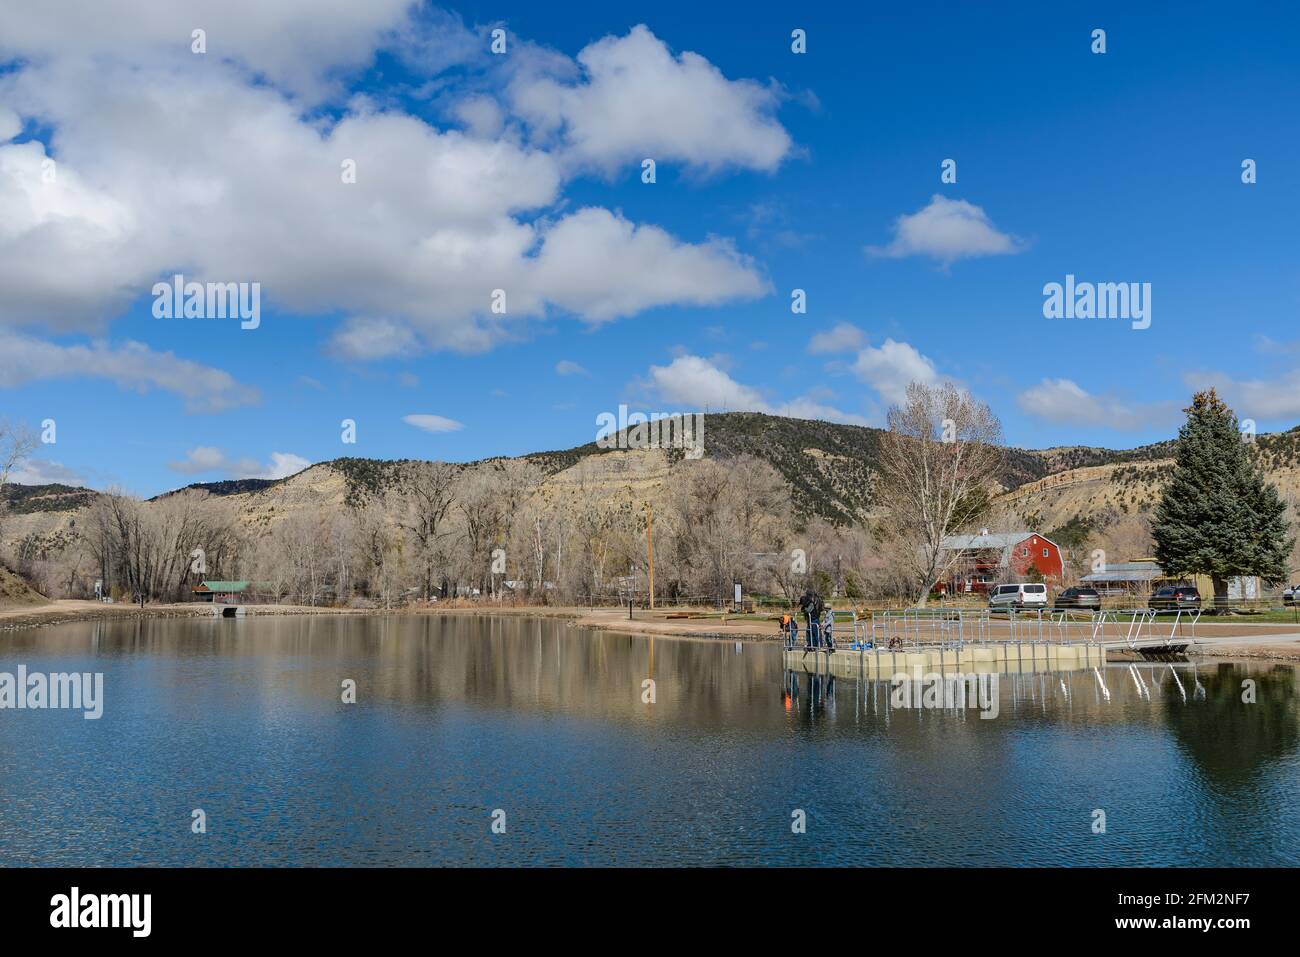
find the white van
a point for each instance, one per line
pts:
(1023, 595)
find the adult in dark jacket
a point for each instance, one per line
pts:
(811, 606)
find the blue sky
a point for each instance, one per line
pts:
(522, 171)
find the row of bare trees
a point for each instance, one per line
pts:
(438, 531)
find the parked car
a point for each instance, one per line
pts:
(1088, 599)
(1174, 598)
(1290, 594)
(1023, 595)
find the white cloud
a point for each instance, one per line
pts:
(893, 366)
(37, 471)
(636, 100)
(844, 337)
(10, 124)
(947, 230)
(601, 266)
(482, 116)
(203, 458)
(284, 464)
(695, 381)
(699, 384)
(169, 163)
(61, 244)
(433, 423)
(131, 365)
(569, 367)
(293, 43)
(362, 338)
(1065, 402)
(1277, 398)
(207, 459)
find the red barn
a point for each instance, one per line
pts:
(986, 559)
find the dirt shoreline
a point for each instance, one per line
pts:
(1270, 641)
(19, 617)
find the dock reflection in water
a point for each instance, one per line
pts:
(458, 716)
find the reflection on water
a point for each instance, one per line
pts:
(458, 716)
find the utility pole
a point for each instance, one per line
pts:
(650, 549)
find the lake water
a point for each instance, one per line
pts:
(458, 717)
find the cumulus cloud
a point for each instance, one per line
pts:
(432, 423)
(284, 464)
(35, 471)
(295, 44)
(1258, 398)
(892, 366)
(1065, 402)
(695, 381)
(131, 365)
(210, 165)
(10, 124)
(634, 100)
(569, 367)
(601, 266)
(844, 337)
(947, 230)
(699, 384)
(207, 459)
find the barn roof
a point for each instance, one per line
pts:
(1001, 542)
(1126, 572)
(995, 540)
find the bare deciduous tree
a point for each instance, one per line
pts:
(481, 502)
(938, 463)
(427, 490)
(16, 444)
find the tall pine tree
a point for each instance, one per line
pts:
(1218, 516)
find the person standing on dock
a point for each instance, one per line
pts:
(811, 606)
(789, 630)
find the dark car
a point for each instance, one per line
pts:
(1088, 599)
(1174, 598)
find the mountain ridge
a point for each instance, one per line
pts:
(829, 467)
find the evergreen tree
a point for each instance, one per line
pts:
(1218, 517)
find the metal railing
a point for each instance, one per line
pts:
(913, 627)
(954, 628)
(1141, 624)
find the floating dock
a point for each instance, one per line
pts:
(993, 658)
(972, 641)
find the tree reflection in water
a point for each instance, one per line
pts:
(1230, 738)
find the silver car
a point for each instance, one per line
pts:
(1022, 595)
